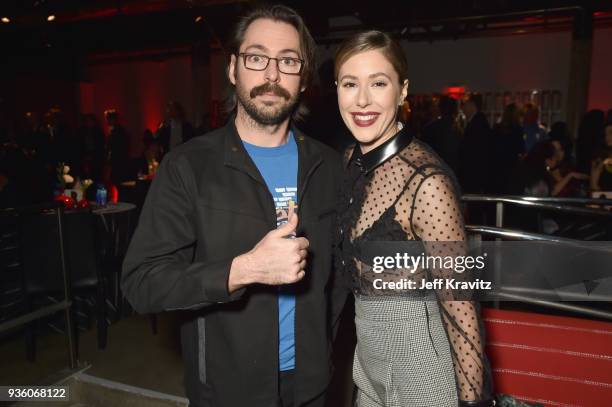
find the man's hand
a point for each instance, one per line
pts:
(277, 259)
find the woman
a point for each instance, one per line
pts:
(411, 350)
(601, 169)
(543, 175)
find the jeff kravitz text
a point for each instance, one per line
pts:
(450, 264)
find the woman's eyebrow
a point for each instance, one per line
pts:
(371, 76)
(374, 75)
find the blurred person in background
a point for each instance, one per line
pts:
(23, 177)
(541, 176)
(53, 147)
(32, 131)
(508, 151)
(92, 146)
(533, 131)
(423, 113)
(563, 144)
(589, 140)
(117, 149)
(146, 165)
(560, 133)
(475, 148)
(174, 130)
(601, 168)
(443, 134)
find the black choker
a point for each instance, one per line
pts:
(372, 159)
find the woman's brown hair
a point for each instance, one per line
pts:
(373, 40)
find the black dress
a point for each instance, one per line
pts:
(399, 192)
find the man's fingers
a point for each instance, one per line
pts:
(302, 242)
(288, 228)
(302, 265)
(293, 221)
(291, 210)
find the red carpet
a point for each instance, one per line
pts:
(557, 361)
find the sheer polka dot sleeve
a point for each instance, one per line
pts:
(438, 222)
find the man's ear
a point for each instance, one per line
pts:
(231, 70)
(404, 92)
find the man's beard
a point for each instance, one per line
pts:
(269, 115)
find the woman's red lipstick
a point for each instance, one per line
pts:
(364, 119)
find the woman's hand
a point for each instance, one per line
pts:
(596, 169)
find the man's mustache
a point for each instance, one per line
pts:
(270, 88)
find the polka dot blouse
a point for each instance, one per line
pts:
(402, 191)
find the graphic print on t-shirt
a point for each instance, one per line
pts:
(283, 197)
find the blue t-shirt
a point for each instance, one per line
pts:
(279, 169)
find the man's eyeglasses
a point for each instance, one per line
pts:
(286, 65)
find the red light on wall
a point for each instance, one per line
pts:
(456, 92)
(455, 89)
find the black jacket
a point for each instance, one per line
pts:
(207, 205)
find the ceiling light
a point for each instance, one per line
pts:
(198, 19)
(51, 17)
(6, 20)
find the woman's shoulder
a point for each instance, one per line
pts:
(420, 156)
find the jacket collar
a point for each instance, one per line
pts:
(372, 159)
(235, 155)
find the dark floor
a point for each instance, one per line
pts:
(137, 357)
(156, 365)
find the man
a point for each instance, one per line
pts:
(443, 134)
(92, 145)
(175, 129)
(53, 146)
(117, 148)
(211, 236)
(476, 147)
(533, 131)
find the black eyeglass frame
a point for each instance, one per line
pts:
(244, 56)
